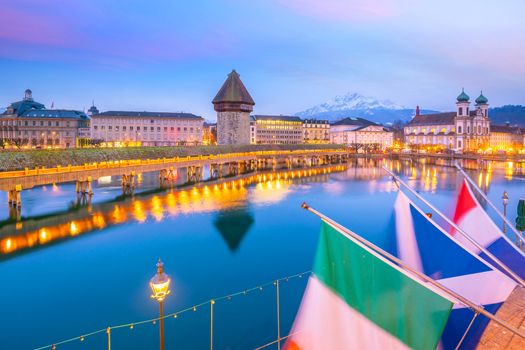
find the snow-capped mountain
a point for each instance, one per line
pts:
(357, 105)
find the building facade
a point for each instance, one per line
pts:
(209, 136)
(123, 128)
(276, 129)
(233, 105)
(506, 138)
(28, 124)
(359, 131)
(463, 130)
(316, 131)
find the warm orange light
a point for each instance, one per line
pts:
(160, 284)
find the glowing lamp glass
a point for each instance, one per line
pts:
(160, 284)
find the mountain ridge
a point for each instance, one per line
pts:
(387, 112)
(357, 105)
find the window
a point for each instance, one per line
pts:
(172, 128)
(25, 123)
(95, 127)
(58, 124)
(130, 128)
(468, 129)
(116, 128)
(152, 128)
(110, 127)
(178, 129)
(123, 128)
(48, 123)
(479, 129)
(34, 123)
(165, 128)
(151, 121)
(158, 128)
(459, 129)
(459, 143)
(460, 111)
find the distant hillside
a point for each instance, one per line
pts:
(356, 105)
(514, 114)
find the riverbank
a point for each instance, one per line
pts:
(19, 160)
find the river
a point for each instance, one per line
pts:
(70, 269)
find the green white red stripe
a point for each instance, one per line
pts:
(357, 299)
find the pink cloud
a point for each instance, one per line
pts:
(24, 27)
(344, 10)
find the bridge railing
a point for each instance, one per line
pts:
(137, 162)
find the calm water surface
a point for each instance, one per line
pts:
(67, 271)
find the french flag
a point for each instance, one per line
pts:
(472, 218)
(426, 247)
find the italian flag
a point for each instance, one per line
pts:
(357, 299)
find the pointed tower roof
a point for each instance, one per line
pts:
(233, 91)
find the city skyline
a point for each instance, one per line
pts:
(175, 57)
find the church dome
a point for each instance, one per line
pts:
(463, 97)
(482, 100)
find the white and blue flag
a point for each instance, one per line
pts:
(424, 246)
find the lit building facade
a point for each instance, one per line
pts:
(276, 129)
(28, 124)
(209, 136)
(316, 131)
(506, 138)
(353, 131)
(122, 128)
(463, 130)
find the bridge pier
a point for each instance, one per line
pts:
(15, 213)
(194, 173)
(83, 187)
(13, 197)
(128, 183)
(167, 177)
(215, 171)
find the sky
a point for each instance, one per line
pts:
(173, 56)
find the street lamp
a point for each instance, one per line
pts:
(160, 288)
(505, 200)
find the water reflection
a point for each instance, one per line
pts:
(227, 197)
(207, 197)
(233, 225)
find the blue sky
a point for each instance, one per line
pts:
(174, 55)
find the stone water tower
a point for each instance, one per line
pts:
(233, 104)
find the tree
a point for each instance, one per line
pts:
(3, 142)
(95, 142)
(356, 146)
(19, 142)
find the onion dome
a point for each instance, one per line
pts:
(463, 97)
(482, 100)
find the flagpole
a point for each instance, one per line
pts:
(458, 229)
(351, 235)
(484, 196)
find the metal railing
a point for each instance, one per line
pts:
(174, 315)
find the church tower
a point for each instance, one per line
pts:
(233, 104)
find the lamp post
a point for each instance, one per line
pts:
(505, 200)
(160, 288)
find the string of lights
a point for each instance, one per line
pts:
(193, 308)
